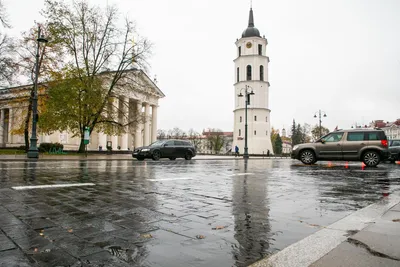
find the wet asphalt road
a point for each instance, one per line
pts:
(175, 213)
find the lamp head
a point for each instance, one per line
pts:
(315, 115)
(324, 115)
(240, 95)
(251, 93)
(42, 39)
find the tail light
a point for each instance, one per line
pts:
(384, 143)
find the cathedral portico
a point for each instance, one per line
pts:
(133, 107)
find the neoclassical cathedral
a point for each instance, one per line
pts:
(251, 79)
(130, 99)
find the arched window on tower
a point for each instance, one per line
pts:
(240, 119)
(248, 73)
(237, 74)
(240, 132)
(261, 73)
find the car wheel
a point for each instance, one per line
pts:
(188, 156)
(307, 157)
(156, 155)
(371, 158)
(172, 158)
(140, 158)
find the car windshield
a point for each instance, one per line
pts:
(157, 143)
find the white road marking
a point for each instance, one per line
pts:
(241, 174)
(49, 186)
(169, 179)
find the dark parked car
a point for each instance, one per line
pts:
(171, 149)
(367, 145)
(394, 149)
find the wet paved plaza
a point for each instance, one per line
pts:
(174, 213)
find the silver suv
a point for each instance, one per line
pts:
(367, 145)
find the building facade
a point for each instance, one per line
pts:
(251, 72)
(129, 100)
(391, 129)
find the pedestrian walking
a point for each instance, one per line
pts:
(236, 151)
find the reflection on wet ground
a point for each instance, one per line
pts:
(178, 213)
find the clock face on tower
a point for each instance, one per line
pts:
(248, 45)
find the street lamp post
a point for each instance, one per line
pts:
(33, 151)
(320, 120)
(247, 100)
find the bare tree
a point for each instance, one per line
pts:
(195, 138)
(216, 140)
(49, 61)
(177, 133)
(7, 48)
(161, 134)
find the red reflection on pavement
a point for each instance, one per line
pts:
(346, 165)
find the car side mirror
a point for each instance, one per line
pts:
(323, 141)
(165, 145)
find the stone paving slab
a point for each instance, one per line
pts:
(386, 244)
(347, 254)
(396, 208)
(15, 257)
(5, 243)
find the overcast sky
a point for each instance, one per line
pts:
(341, 57)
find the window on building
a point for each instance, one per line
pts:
(248, 73)
(255, 132)
(237, 74)
(255, 118)
(261, 73)
(260, 49)
(266, 119)
(240, 51)
(266, 133)
(240, 119)
(240, 132)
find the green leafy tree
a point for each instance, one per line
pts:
(296, 133)
(93, 44)
(315, 132)
(278, 145)
(276, 141)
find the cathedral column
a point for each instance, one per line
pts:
(10, 123)
(124, 103)
(147, 124)
(154, 123)
(115, 113)
(2, 127)
(138, 130)
(103, 140)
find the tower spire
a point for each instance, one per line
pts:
(251, 18)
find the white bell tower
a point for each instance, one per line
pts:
(251, 72)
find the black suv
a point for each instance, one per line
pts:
(171, 149)
(367, 145)
(394, 150)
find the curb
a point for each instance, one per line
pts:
(312, 248)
